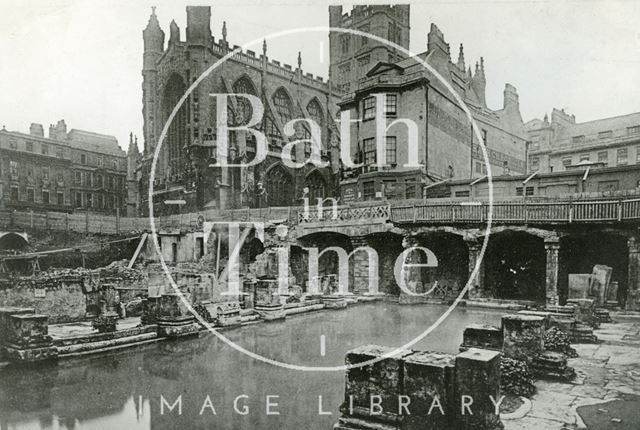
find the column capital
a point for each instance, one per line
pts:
(552, 243)
(633, 244)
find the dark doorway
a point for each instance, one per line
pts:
(515, 266)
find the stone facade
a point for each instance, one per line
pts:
(447, 148)
(183, 170)
(62, 172)
(563, 144)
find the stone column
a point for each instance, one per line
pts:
(365, 267)
(633, 283)
(551, 246)
(413, 276)
(476, 286)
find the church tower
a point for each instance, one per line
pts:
(352, 56)
(153, 38)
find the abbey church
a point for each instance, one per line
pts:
(359, 67)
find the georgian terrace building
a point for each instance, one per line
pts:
(564, 144)
(65, 171)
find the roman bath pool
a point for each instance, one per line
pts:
(125, 389)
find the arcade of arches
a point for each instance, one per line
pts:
(520, 264)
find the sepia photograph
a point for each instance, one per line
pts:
(279, 214)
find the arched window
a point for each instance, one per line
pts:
(279, 187)
(177, 134)
(244, 86)
(315, 112)
(283, 105)
(317, 187)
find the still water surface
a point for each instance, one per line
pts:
(123, 390)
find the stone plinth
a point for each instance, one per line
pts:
(334, 301)
(429, 379)
(174, 319)
(228, 314)
(523, 336)
(27, 339)
(105, 323)
(584, 311)
(5, 313)
(382, 378)
(482, 336)
(477, 375)
(552, 365)
(150, 307)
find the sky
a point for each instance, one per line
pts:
(81, 60)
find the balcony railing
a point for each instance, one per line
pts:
(520, 212)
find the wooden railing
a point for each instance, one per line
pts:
(431, 212)
(519, 212)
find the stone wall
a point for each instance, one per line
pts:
(62, 303)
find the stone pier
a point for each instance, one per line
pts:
(420, 390)
(24, 336)
(174, 319)
(523, 336)
(267, 301)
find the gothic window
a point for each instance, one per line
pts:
(279, 187)
(176, 137)
(272, 130)
(244, 86)
(283, 105)
(315, 112)
(317, 187)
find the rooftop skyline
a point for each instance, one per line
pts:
(581, 57)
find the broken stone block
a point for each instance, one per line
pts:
(584, 311)
(579, 285)
(482, 336)
(334, 301)
(601, 276)
(523, 336)
(477, 378)
(27, 338)
(228, 314)
(5, 313)
(552, 365)
(428, 383)
(381, 378)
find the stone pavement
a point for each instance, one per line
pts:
(605, 372)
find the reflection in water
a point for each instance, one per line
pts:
(124, 390)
